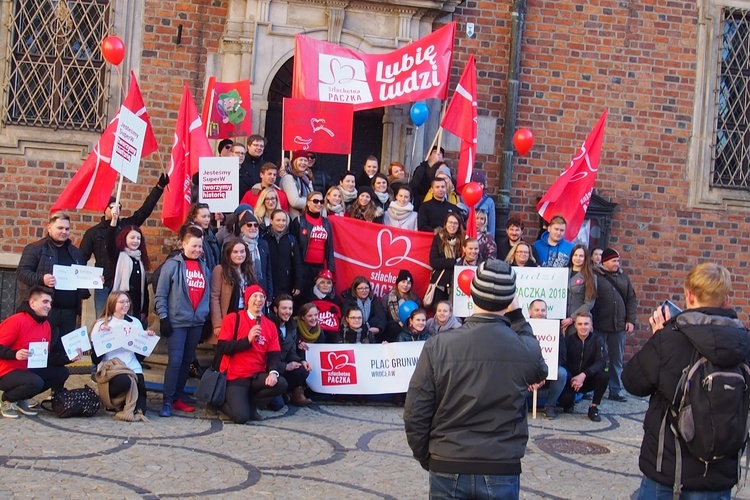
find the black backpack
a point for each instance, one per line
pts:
(709, 411)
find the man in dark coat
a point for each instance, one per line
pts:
(251, 162)
(711, 328)
(423, 175)
(432, 213)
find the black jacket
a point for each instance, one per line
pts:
(95, 238)
(37, 259)
(610, 311)
(286, 262)
(442, 266)
(420, 182)
(432, 214)
(288, 345)
(301, 227)
(249, 173)
(504, 246)
(377, 318)
(588, 356)
(655, 371)
(465, 411)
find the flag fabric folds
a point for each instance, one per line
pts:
(92, 185)
(190, 143)
(570, 194)
(461, 120)
(317, 126)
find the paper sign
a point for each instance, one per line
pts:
(547, 283)
(65, 278)
(88, 277)
(38, 358)
(219, 181)
(547, 332)
(141, 343)
(77, 339)
(126, 154)
(463, 306)
(105, 341)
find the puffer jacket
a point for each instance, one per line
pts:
(656, 370)
(465, 411)
(610, 311)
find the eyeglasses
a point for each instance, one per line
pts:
(355, 318)
(317, 201)
(362, 288)
(257, 145)
(251, 224)
(123, 302)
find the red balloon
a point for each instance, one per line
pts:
(464, 280)
(472, 193)
(113, 50)
(523, 140)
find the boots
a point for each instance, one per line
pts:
(298, 397)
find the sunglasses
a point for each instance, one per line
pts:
(251, 224)
(201, 205)
(228, 146)
(317, 201)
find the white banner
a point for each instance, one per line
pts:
(362, 368)
(219, 181)
(126, 153)
(547, 332)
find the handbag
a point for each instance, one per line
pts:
(212, 388)
(429, 295)
(66, 403)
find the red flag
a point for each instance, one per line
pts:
(190, 143)
(461, 120)
(226, 109)
(570, 195)
(317, 126)
(328, 72)
(91, 187)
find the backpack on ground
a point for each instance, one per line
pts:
(709, 411)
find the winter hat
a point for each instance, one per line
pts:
(224, 143)
(478, 176)
(249, 291)
(248, 217)
(404, 275)
(609, 254)
(325, 274)
(368, 190)
(299, 154)
(494, 285)
(445, 170)
(242, 207)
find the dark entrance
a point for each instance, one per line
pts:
(367, 135)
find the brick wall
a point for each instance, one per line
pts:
(638, 60)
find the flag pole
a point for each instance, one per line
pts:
(533, 405)
(117, 201)
(349, 163)
(440, 130)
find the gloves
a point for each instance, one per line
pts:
(165, 328)
(163, 181)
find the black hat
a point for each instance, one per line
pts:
(404, 275)
(494, 285)
(609, 254)
(224, 143)
(366, 189)
(248, 217)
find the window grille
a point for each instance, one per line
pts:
(55, 70)
(731, 148)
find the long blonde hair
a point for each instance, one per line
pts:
(260, 206)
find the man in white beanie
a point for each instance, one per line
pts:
(465, 411)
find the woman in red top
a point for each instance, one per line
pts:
(249, 344)
(315, 236)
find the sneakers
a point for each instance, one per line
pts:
(182, 406)
(549, 412)
(33, 403)
(166, 410)
(8, 410)
(618, 397)
(23, 407)
(189, 400)
(594, 414)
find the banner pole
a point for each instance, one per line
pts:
(434, 140)
(413, 150)
(440, 130)
(349, 162)
(533, 405)
(117, 201)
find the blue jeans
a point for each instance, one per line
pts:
(100, 299)
(651, 490)
(180, 351)
(473, 486)
(556, 386)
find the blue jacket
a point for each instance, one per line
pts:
(553, 256)
(172, 299)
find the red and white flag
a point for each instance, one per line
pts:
(317, 126)
(190, 143)
(570, 195)
(91, 187)
(226, 109)
(461, 120)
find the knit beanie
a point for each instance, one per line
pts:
(494, 285)
(404, 275)
(249, 291)
(242, 207)
(609, 254)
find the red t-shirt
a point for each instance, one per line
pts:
(15, 333)
(196, 282)
(252, 361)
(316, 246)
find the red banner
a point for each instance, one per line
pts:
(317, 126)
(378, 252)
(570, 195)
(327, 72)
(226, 109)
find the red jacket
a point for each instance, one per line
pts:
(15, 333)
(251, 198)
(244, 359)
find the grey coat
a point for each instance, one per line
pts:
(172, 299)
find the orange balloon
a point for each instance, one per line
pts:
(113, 50)
(472, 193)
(464, 280)
(523, 140)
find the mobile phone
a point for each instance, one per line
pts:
(670, 306)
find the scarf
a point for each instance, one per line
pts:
(335, 209)
(450, 248)
(106, 372)
(252, 246)
(124, 269)
(434, 328)
(383, 197)
(349, 196)
(319, 294)
(400, 213)
(309, 336)
(365, 306)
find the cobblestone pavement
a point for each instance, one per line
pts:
(327, 451)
